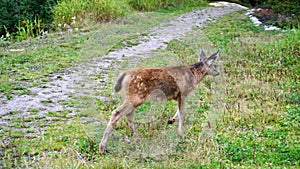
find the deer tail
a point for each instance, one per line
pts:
(118, 85)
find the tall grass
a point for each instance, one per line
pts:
(153, 5)
(29, 29)
(74, 12)
(259, 126)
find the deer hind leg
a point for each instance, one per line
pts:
(124, 109)
(130, 118)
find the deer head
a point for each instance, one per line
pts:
(209, 63)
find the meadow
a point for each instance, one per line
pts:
(249, 117)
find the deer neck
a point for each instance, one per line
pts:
(199, 71)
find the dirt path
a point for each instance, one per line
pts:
(79, 81)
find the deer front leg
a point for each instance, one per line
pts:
(180, 114)
(124, 109)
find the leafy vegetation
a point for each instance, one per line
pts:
(30, 16)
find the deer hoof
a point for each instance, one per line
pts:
(171, 121)
(101, 150)
(181, 135)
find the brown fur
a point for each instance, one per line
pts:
(147, 80)
(172, 82)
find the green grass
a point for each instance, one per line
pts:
(259, 127)
(246, 118)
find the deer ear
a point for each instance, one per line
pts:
(202, 56)
(212, 58)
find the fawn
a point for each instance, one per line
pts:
(174, 82)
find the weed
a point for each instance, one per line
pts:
(61, 114)
(46, 101)
(15, 112)
(69, 103)
(34, 111)
(16, 134)
(28, 29)
(131, 40)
